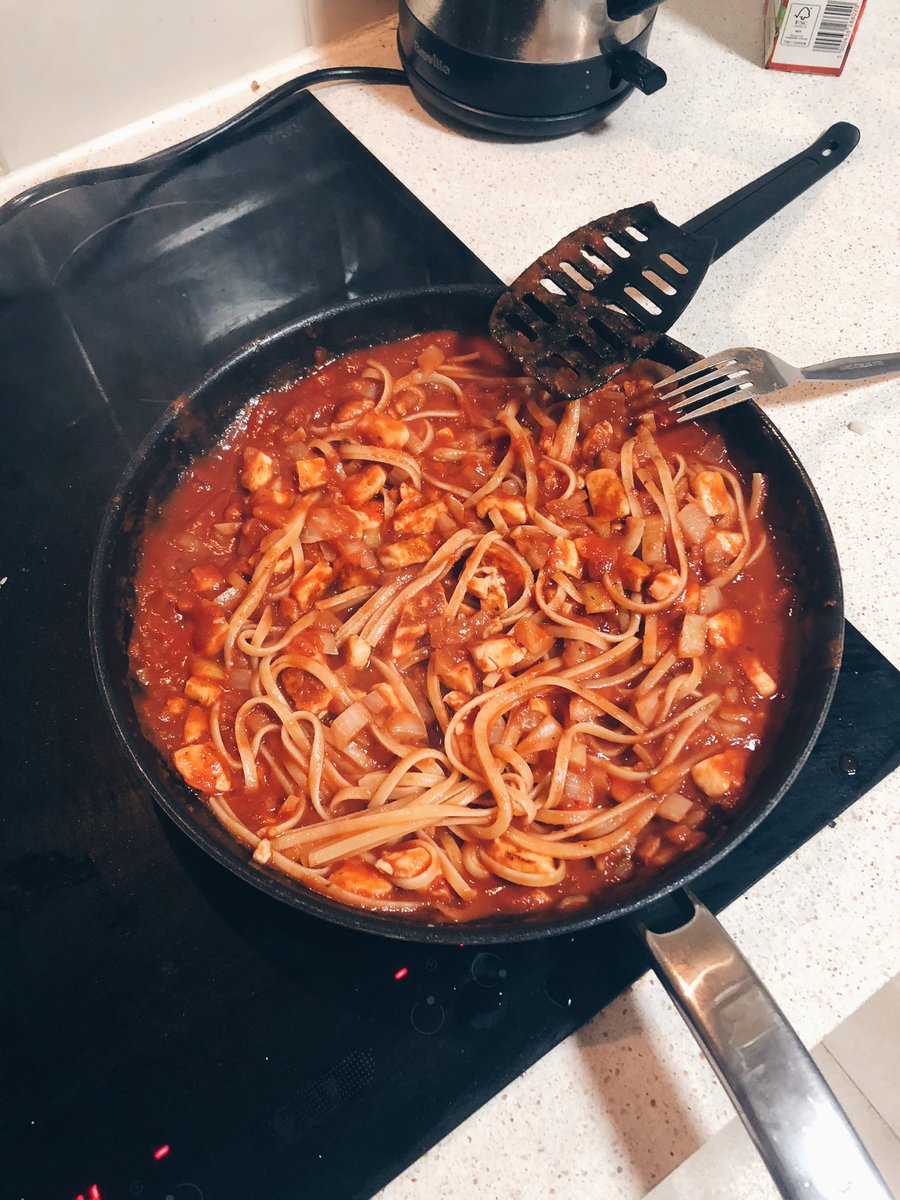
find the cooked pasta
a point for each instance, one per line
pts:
(430, 642)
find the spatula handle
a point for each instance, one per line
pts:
(733, 218)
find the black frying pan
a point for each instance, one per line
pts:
(785, 1103)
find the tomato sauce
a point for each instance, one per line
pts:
(199, 555)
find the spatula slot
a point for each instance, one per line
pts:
(588, 356)
(617, 247)
(575, 275)
(610, 336)
(644, 301)
(659, 282)
(517, 322)
(547, 315)
(673, 263)
(555, 366)
(636, 234)
(589, 254)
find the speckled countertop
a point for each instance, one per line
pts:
(614, 1109)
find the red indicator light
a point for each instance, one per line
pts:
(161, 1152)
(80, 1196)
(404, 971)
(94, 1193)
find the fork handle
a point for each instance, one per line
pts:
(865, 366)
(733, 218)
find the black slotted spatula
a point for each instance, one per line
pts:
(607, 292)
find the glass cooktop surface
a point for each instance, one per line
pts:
(167, 1030)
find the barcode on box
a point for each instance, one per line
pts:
(835, 28)
(811, 37)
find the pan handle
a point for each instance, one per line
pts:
(733, 218)
(803, 1135)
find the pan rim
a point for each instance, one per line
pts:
(226, 850)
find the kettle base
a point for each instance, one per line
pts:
(465, 118)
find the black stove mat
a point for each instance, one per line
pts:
(168, 1031)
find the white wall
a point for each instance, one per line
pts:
(72, 70)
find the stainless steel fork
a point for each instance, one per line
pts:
(746, 373)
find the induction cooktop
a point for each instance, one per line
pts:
(167, 1031)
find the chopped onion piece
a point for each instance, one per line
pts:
(405, 725)
(375, 703)
(577, 786)
(695, 523)
(674, 807)
(348, 724)
(225, 598)
(187, 541)
(545, 737)
(710, 599)
(328, 641)
(578, 754)
(653, 546)
(692, 642)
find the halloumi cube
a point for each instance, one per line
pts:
(634, 572)
(608, 499)
(664, 585)
(263, 851)
(711, 493)
(723, 543)
(420, 520)
(564, 557)
(210, 632)
(405, 863)
(358, 877)
(366, 483)
(497, 654)
(358, 651)
(721, 773)
(201, 768)
(405, 553)
(512, 508)
(196, 725)
(259, 469)
(460, 676)
(410, 628)
(204, 691)
(725, 628)
(762, 681)
(385, 431)
(311, 585)
(207, 578)
(311, 473)
(490, 587)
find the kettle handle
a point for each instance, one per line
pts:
(621, 10)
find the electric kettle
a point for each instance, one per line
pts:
(526, 68)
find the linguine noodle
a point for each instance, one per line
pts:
(429, 642)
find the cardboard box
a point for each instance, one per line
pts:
(813, 38)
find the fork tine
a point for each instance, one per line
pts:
(716, 386)
(718, 362)
(746, 392)
(707, 383)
